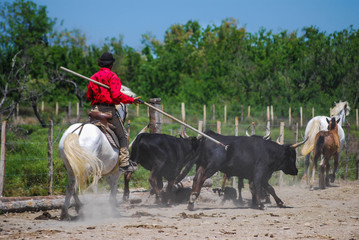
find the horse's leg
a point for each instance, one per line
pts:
(78, 203)
(314, 167)
(335, 169)
(321, 172)
(196, 187)
(70, 191)
(112, 180)
(306, 171)
(126, 190)
(327, 168)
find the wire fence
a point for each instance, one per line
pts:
(27, 159)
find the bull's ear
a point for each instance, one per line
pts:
(338, 120)
(327, 120)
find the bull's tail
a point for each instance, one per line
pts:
(84, 164)
(309, 144)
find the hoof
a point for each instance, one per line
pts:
(190, 206)
(331, 178)
(68, 217)
(262, 207)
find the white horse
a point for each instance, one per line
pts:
(88, 155)
(319, 123)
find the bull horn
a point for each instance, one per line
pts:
(183, 132)
(247, 131)
(278, 139)
(266, 137)
(295, 145)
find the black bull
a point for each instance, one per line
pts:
(164, 156)
(246, 157)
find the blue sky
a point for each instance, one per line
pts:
(132, 18)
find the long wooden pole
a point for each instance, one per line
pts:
(150, 106)
(2, 157)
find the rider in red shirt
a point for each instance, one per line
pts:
(104, 100)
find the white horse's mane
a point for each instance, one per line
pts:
(335, 111)
(127, 91)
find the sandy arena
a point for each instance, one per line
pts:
(332, 213)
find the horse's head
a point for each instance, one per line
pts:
(121, 108)
(340, 110)
(332, 123)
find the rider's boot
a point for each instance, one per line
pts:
(126, 165)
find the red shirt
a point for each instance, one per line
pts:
(98, 94)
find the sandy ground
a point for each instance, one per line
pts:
(332, 213)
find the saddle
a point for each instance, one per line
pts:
(100, 119)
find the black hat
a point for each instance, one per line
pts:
(106, 59)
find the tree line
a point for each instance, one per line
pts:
(193, 63)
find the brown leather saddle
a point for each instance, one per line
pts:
(100, 119)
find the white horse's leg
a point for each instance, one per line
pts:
(113, 179)
(78, 203)
(314, 167)
(70, 191)
(306, 164)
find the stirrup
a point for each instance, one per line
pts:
(131, 167)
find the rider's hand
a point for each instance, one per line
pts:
(137, 100)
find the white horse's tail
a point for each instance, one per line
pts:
(309, 144)
(83, 163)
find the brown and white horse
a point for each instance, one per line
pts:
(319, 123)
(327, 144)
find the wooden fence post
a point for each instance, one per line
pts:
(271, 113)
(253, 128)
(236, 126)
(50, 156)
(200, 127)
(204, 117)
(219, 130)
(301, 117)
(249, 111)
(268, 114)
(213, 112)
(137, 110)
(42, 106)
(281, 142)
(77, 109)
(312, 112)
(346, 151)
(57, 108)
(183, 111)
(357, 117)
(3, 157)
(155, 117)
(290, 116)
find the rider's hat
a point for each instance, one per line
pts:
(106, 59)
